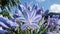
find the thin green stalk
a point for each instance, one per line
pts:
(18, 30)
(31, 31)
(28, 31)
(43, 30)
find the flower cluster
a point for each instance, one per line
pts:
(53, 23)
(31, 16)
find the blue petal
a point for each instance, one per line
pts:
(26, 4)
(35, 6)
(33, 14)
(20, 8)
(46, 12)
(12, 24)
(25, 14)
(3, 25)
(16, 15)
(39, 11)
(37, 18)
(24, 20)
(3, 31)
(24, 26)
(36, 26)
(4, 20)
(58, 23)
(55, 16)
(28, 8)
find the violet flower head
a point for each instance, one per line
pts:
(2, 31)
(30, 19)
(16, 15)
(3, 25)
(55, 16)
(58, 23)
(12, 24)
(5, 22)
(53, 20)
(46, 12)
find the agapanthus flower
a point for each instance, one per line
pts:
(12, 24)
(3, 31)
(7, 22)
(3, 25)
(46, 12)
(16, 15)
(58, 23)
(52, 22)
(30, 19)
(53, 19)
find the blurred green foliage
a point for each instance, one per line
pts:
(8, 4)
(5, 13)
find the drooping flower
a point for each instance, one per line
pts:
(46, 12)
(52, 22)
(12, 24)
(58, 23)
(30, 19)
(16, 15)
(7, 22)
(3, 31)
(53, 19)
(3, 25)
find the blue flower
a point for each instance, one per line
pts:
(55, 16)
(7, 22)
(58, 23)
(35, 6)
(12, 24)
(16, 15)
(3, 25)
(40, 11)
(30, 19)
(26, 4)
(3, 31)
(46, 12)
(4, 20)
(53, 19)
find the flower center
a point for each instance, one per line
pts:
(30, 22)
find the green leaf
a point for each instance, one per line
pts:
(42, 30)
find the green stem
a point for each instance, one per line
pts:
(31, 31)
(18, 30)
(44, 30)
